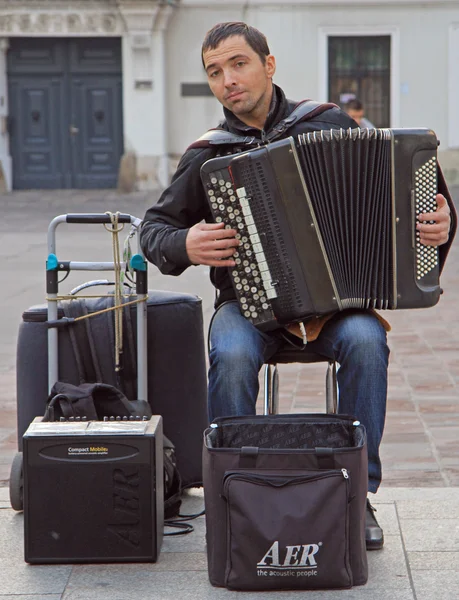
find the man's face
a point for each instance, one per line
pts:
(236, 75)
(357, 115)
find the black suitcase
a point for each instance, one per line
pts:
(177, 384)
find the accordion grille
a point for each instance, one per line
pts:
(348, 175)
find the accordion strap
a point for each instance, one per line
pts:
(221, 137)
(305, 110)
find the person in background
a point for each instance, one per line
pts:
(355, 110)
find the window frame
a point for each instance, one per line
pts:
(393, 32)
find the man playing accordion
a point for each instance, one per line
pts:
(179, 232)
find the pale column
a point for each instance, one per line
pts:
(138, 91)
(5, 157)
(453, 84)
(160, 76)
(144, 89)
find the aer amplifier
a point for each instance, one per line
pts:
(93, 491)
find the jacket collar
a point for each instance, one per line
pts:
(278, 110)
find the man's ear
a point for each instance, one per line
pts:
(270, 66)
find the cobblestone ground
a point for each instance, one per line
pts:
(421, 441)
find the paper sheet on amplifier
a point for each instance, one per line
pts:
(91, 428)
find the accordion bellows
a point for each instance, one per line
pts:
(327, 221)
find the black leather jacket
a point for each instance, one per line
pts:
(183, 203)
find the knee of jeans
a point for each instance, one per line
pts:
(235, 358)
(366, 337)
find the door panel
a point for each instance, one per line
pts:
(101, 56)
(36, 133)
(30, 56)
(65, 112)
(96, 144)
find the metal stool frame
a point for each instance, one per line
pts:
(271, 385)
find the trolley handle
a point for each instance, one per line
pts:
(91, 218)
(95, 218)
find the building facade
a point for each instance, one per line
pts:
(88, 82)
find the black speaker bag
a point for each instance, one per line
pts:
(177, 383)
(289, 541)
(285, 500)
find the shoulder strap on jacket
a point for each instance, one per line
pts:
(305, 110)
(221, 137)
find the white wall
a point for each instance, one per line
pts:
(190, 117)
(453, 88)
(293, 32)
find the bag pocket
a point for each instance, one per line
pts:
(287, 529)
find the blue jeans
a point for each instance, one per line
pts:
(355, 339)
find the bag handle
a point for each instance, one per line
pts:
(248, 457)
(249, 454)
(325, 458)
(65, 405)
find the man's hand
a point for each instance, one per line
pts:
(437, 233)
(211, 244)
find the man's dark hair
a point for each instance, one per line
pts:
(255, 39)
(354, 105)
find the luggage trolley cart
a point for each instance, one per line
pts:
(53, 268)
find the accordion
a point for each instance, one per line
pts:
(327, 221)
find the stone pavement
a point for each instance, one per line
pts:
(418, 503)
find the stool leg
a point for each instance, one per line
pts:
(271, 395)
(275, 391)
(331, 388)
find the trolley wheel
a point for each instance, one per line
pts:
(17, 483)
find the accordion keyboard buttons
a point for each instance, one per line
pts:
(251, 276)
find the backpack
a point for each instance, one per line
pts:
(93, 402)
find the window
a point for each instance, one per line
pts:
(359, 67)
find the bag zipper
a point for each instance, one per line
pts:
(284, 420)
(260, 478)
